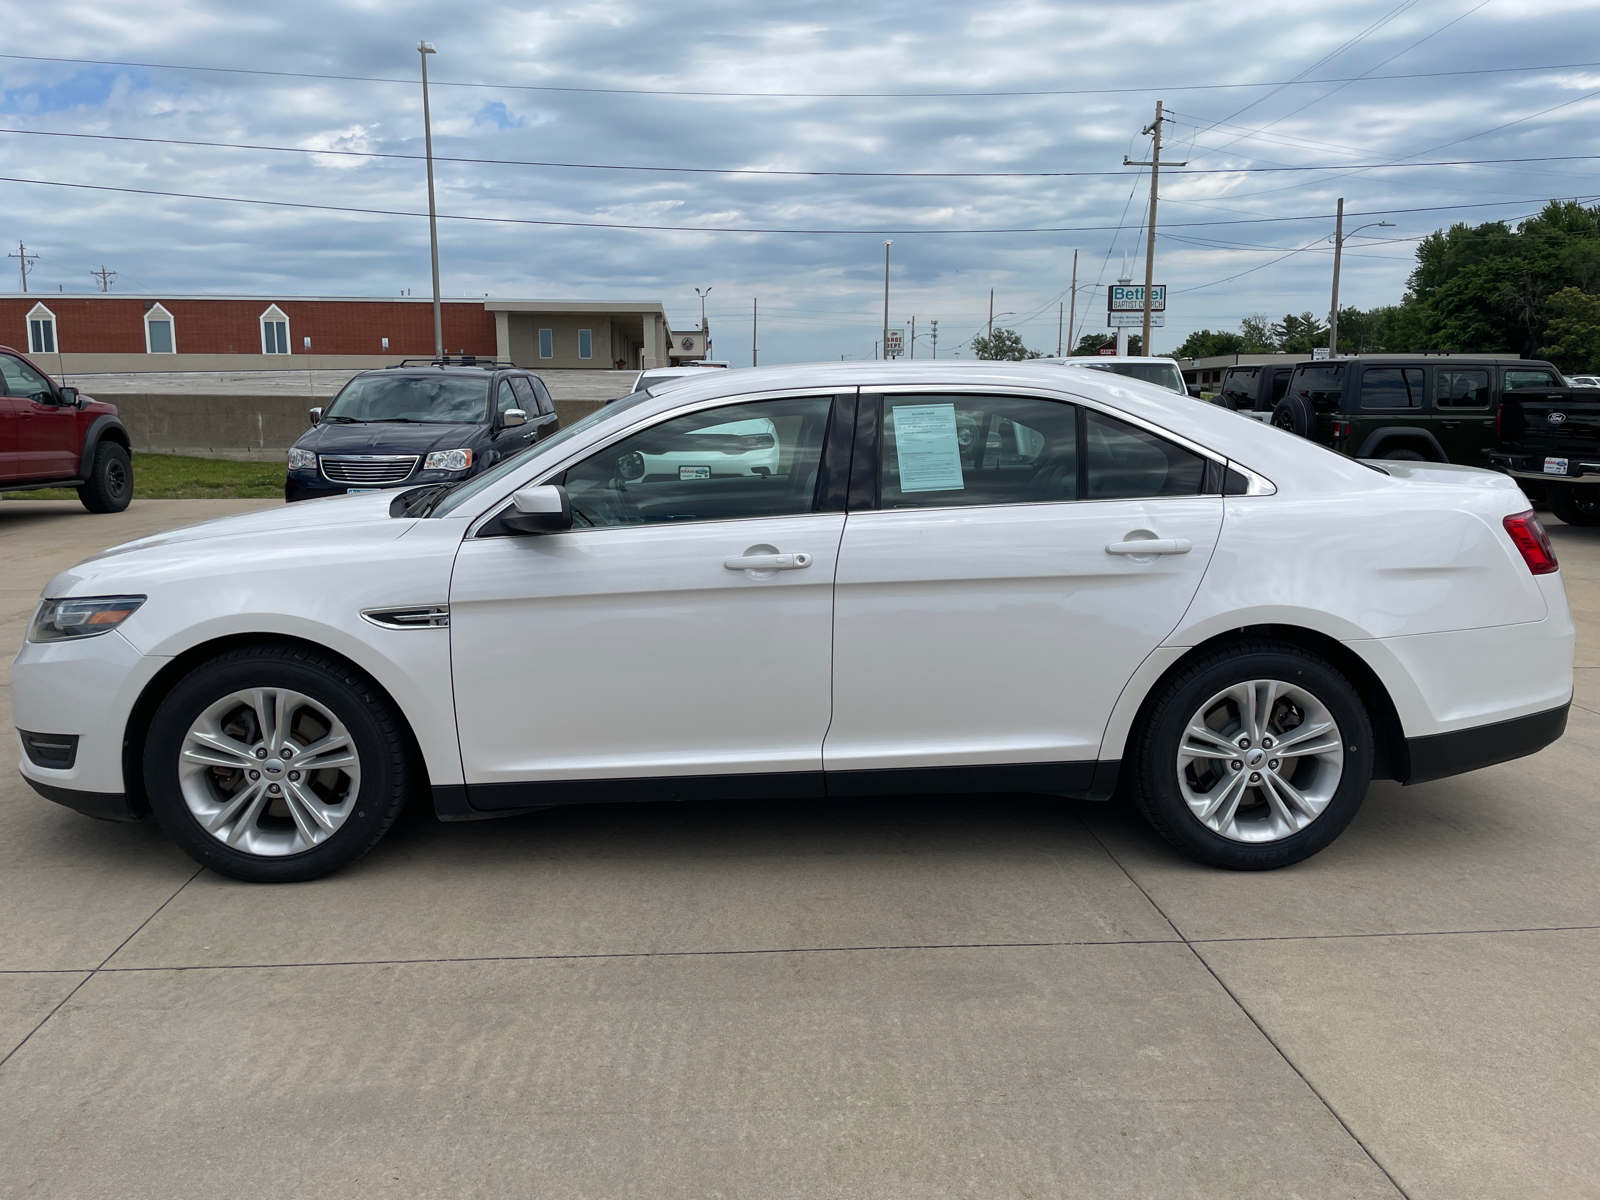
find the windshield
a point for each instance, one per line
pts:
(1164, 374)
(538, 450)
(433, 399)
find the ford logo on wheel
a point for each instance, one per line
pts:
(1556, 418)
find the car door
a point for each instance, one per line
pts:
(8, 434)
(512, 439)
(1462, 418)
(537, 404)
(666, 636)
(991, 600)
(47, 441)
(1387, 397)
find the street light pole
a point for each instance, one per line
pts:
(886, 246)
(423, 50)
(1338, 252)
(704, 328)
(934, 338)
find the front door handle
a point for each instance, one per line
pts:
(1140, 547)
(768, 562)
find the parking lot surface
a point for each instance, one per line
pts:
(1004, 996)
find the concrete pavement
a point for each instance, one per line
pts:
(992, 996)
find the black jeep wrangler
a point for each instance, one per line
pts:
(1422, 407)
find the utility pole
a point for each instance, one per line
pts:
(106, 278)
(754, 315)
(1155, 164)
(913, 335)
(25, 261)
(934, 337)
(991, 314)
(423, 50)
(1338, 251)
(1061, 312)
(1072, 317)
(886, 246)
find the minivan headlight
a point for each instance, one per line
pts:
(81, 617)
(448, 460)
(302, 460)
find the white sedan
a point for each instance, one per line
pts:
(950, 577)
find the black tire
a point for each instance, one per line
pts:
(1403, 456)
(108, 486)
(1576, 506)
(1154, 749)
(375, 730)
(1295, 414)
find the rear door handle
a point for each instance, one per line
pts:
(768, 562)
(1141, 547)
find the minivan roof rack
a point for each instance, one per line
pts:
(463, 360)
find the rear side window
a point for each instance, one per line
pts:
(944, 451)
(526, 400)
(1461, 389)
(1521, 378)
(1280, 385)
(1391, 387)
(1239, 384)
(1126, 463)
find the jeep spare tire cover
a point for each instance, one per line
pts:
(1295, 414)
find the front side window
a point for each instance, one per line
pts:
(505, 398)
(1521, 378)
(585, 344)
(739, 461)
(158, 333)
(20, 379)
(1461, 389)
(941, 451)
(1123, 462)
(41, 330)
(428, 399)
(547, 343)
(1391, 387)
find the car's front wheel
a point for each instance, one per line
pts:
(108, 483)
(1257, 755)
(275, 763)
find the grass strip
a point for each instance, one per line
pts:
(179, 477)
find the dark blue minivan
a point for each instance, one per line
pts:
(424, 421)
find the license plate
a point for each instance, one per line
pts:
(364, 491)
(1555, 466)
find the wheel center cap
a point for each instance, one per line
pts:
(272, 768)
(1255, 758)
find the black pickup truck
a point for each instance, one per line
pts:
(1549, 438)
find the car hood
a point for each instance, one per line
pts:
(387, 438)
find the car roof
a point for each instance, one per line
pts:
(1084, 360)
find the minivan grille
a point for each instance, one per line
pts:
(368, 469)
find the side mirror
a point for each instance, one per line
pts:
(316, 415)
(542, 509)
(69, 395)
(512, 417)
(1194, 390)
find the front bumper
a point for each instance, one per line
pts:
(1583, 470)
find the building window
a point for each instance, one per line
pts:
(547, 343)
(274, 331)
(158, 332)
(585, 344)
(41, 330)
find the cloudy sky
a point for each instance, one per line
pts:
(1027, 109)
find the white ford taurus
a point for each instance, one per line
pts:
(946, 577)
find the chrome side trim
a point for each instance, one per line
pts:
(428, 616)
(1256, 485)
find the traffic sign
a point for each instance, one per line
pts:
(1129, 297)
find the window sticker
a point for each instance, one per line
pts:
(694, 472)
(926, 449)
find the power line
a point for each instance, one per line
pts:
(622, 91)
(906, 232)
(575, 166)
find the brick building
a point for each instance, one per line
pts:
(85, 334)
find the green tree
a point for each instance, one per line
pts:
(1003, 344)
(1299, 335)
(1256, 331)
(1202, 343)
(1572, 330)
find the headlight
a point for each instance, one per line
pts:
(302, 460)
(448, 460)
(81, 617)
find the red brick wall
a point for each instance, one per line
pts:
(115, 325)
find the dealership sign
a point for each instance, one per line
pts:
(1129, 297)
(894, 343)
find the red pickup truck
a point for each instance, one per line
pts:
(52, 436)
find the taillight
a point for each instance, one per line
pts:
(1533, 541)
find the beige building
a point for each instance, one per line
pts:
(566, 334)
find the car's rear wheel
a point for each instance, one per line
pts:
(1575, 506)
(1255, 756)
(108, 484)
(275, 763)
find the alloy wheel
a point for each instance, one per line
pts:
(1260, 761)
(269, 771)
